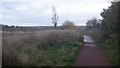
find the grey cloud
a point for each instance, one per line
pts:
(38, 12)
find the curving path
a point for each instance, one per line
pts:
(90, 55)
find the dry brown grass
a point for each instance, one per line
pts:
(27, 48)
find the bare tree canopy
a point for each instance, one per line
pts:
(54, 18)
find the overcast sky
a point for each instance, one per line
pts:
(39, 12)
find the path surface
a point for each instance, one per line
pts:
(90, 55)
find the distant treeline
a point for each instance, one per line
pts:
(25, 28)
(32, 28)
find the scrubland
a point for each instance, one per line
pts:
(40, 48)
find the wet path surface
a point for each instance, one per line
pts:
(90, 55)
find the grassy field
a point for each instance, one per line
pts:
(40, 48)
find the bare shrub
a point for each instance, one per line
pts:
(68, 25)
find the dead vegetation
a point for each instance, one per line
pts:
(31, 48)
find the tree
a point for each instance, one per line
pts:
(109, 24)
(110, 19)
(54, 18)
(68, 25)
(89, 25)
(93, 23)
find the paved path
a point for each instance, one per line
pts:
(90, 55)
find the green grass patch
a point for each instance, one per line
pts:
(63, 54)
